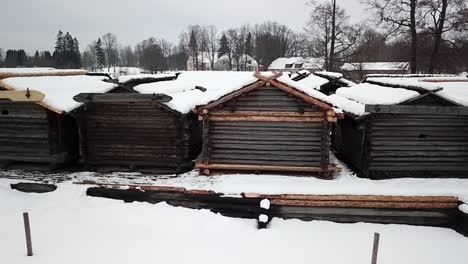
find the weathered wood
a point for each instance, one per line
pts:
(271, 114)
(27, 231)
(264, 168)
(206, 139)
(266, 119)
(375, 248)
(417, 109)
(362, 204)
(22, 96)
(121, 98)
(368, 198)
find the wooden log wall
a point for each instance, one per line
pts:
(267, 127)
(139, 136)
(24, 134)
(418, 146)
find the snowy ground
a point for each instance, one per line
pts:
(233, 185)
(70, 227)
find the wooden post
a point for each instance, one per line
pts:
(375, 248)
(27, 230)
(206, 138)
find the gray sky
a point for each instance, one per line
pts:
(33, 24)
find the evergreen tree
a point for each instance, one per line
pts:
(100, 55)
(223, 46)
(193, 45)
(76, 53)
(37, 59)
(59, 50)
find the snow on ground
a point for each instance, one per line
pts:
(464, 208)
(70, 227)
(345, 182)
(60, 90)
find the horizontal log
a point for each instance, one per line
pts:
(251, 162)
(274, 142)
(365, 204)
(417, 109)
(269, 119)
(363, 198)
(270, 147)
(269, 156)
(258, 124)
(272, 152)
(280, 114)
(331, 168)
(261, 137)
(121, 97)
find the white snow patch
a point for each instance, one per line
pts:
(263, 218)
(463, 208)
(60, 90)
(313, 81)
(265, 204)
(335, 75)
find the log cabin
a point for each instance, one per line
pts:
(404, 128)
(139, 128)
(266, 123)
(43, 132)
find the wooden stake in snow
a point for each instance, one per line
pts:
(27, 230)
(375, 248)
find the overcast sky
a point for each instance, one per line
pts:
(33, 24)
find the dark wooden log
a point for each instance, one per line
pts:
(206, 139)
(27, 231)
(29, 187)
(121, 98)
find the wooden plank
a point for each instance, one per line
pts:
(206, 139)
(368, 198)
(417, 109)
(22, 96)
(121, 98)
(266, 119)
(364, 204)
(331, 168)
(271, 114)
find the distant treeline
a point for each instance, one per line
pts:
(432, 35)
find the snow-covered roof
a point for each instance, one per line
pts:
(24, 72)
(375, 66)
(313, 81)
(296, 62)
(455, 88)
(127, 78)
(59, 90)
(185, 97)
(353, 99)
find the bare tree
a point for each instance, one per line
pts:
(333, 38)
(111, 49)
(399, 16)
(1, 57)
(90, 57)
(212, 40)
(272, 40)
(443, 16)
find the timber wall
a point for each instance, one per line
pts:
(31, 133)
(387, 146)
(295, 134)
(138, 136)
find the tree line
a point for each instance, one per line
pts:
(431, 34)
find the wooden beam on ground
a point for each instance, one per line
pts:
(364, 204)
(331, 168)
(121, 98)
(370, 198)
(417, 109)
(22, 96)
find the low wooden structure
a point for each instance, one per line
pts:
(425, 136)
(37, 131)
(136, 132)
(267, 126)
(31, 133)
